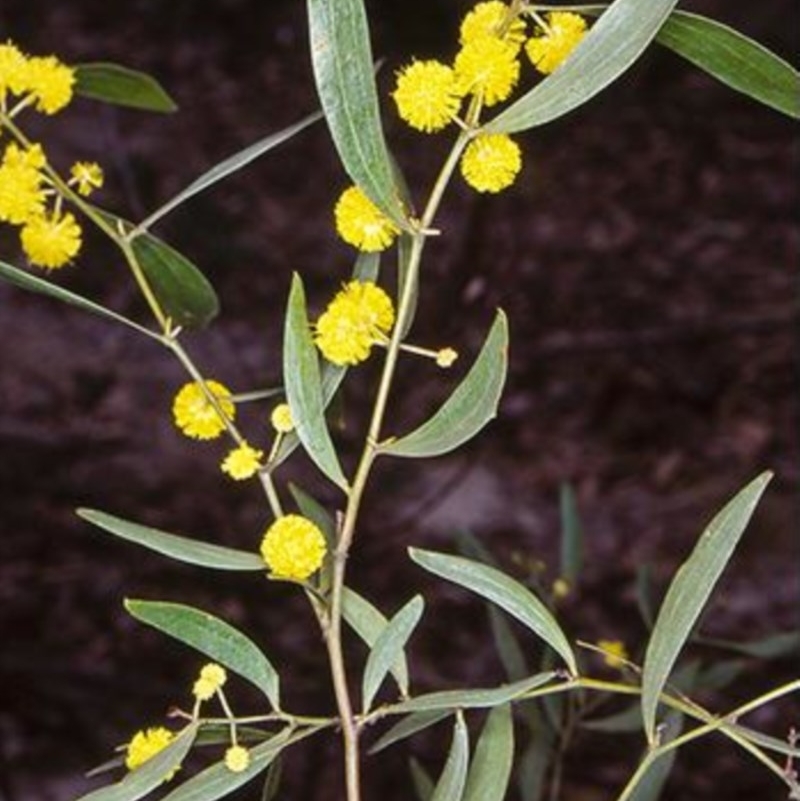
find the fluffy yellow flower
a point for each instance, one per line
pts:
(242, 462)
(487, 19)
(51, 241)
(614, 652)
(145, 745)
(491, 162)
(487, 67)
(426, 95)
(550, 48)
(360, 316)
(50, 83)
(446, 357)
(212, 677)
(281, 418)
(21, 193)
(13, 71)
(293, 547)
(237, 759)
(86, 176)
(361, 223)
(195, 416)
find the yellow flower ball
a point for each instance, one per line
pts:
(427, 96)
(614, 652)
(212, 678)
(361, 223)
(242, 462)
(281, 418)
(487, 19)
(487, 67)
(145, 745)
(86, 176)
(491, 162)
(50, 82)
(51, 241)
(13, 70)
(22, 196)
(293, 547)
(237, 759)
(195, 416)
(550, 48)
(360, 316)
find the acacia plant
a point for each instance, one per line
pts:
(517, 66)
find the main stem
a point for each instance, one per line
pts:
(333, 638)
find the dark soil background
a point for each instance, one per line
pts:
(647, 260)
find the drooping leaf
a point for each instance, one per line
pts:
(689, 591)
(367, 267)
(389, 647)
(490, 771)
(183, 549)
(33, 283)
(228, 166)
(612, 45)
(626, 720)
(405, 245)
(571, 535)
(537, 756)
(409, 726)
(423, 783)
(112, 83)
(309, 507)
(217, 780)
(301, 374)
(272, 782)
(651, 785)
(345, 77)
(474, 699)
(368, 622)
(500, 589)
(774, 646)
(138, 783)
(183, 292)
(450, 786)
(213, 637)
(468, 409)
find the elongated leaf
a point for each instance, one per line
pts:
(309, 507)
(626, 720)
(33, 283)
(500, 589)
(405, 244)
(367, 267)
(773, 647)
(468, 409)
(213, 637)
(490, 771)
(409, 726)
(644, 594)
(122, 86)
(423, 784)
(304, 389)
(450, 786)
(272, 782)
(571, 535)
(389, 647)
(651, 786)
(689, 591)
(345, 79)
(218, 781)
(138, 783)
(183, 291)
(181, 548)
(613, 44)
(474, 699)
(368, 622)
(229, 165)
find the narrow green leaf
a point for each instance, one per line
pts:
(508, 648)
(423, 783)
(367, 267)
(184, 293)
(368, 622)
(217, 780)
(474, 699)
(689, 591)
(389, 647)
(651, 785)
(612, 45)
(775, 646)
(138, 783)
(571, 535)
(309, 507)
(409, 726)
(345, 77)
(507, 593)
(538, 756)
(644, 594)
(228, 166)
(304, 388)
(213, 637)
(272, 782)
(767, 742)
(468, 409)
(181, 548)
(450, 786)
(722, 674)
(490, 771)
(32, 283)
(112, 83)
(405, 244)
(625, 721)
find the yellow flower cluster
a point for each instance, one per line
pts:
(361, 223)
(237, 759)
(615, 654)
(281, 418)
(145, 745)
(195, 416)
(49, 237)
(360, 316)
(242, 462)
(293, 548)
(429, 94)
